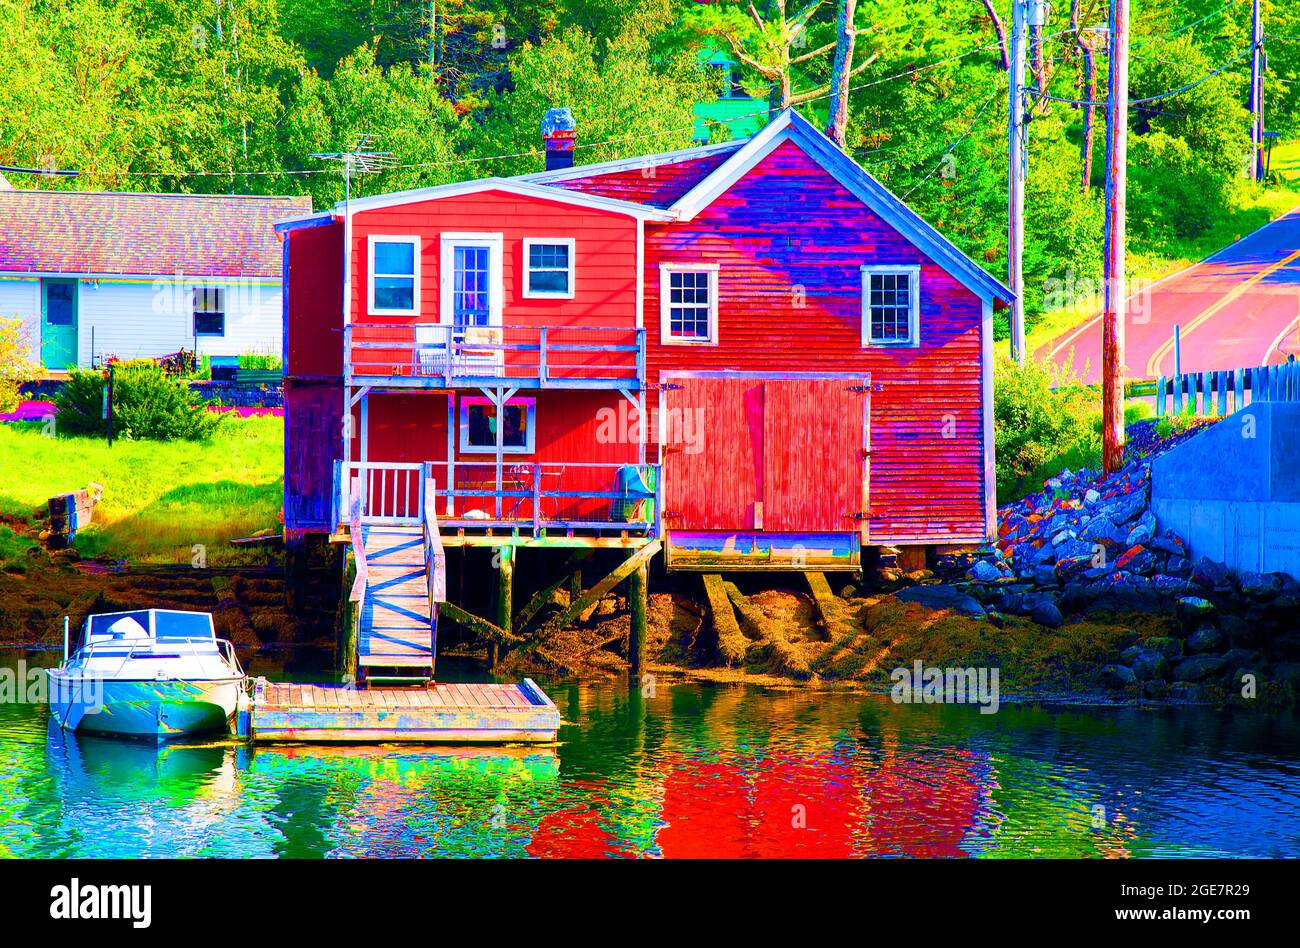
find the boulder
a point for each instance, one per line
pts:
(1101, 529)
(1178, 565)
(1137, 559)
(1149, 664)
(1170, 543)
(1091, 496)
(1199, 667)
(1046, 612)
(1205, 639)
(1118, 677)
(1238, 632)
(1166, 645)
(1209, 574)
(1192, 611)
(1138, 536)
(1125, 507)
(1286, 647)
(942, 597)
(1261, 586)
(1045, 575)
(984, 572)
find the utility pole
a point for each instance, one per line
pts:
(1017, 166)
(1257, 64)
(1112, 344)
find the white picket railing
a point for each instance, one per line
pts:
(1227, 390)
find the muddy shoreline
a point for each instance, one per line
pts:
(785, 636)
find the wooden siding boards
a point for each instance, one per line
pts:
(789, 241)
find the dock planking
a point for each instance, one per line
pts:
(441, 712)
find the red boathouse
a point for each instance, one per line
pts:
(750, 353)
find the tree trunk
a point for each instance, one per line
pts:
(1089, 95)
(1000, 31)
(838, 119)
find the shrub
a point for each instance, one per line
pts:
(147, 404)
(1044, 420)
(15, 365)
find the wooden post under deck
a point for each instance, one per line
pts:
(636, 646)
(505, 596)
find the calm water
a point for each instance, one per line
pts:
(696, 770)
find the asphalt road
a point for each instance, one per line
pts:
(1239, 307)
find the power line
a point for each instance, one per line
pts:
(1154, 98)
(957, 141)
(530, 154)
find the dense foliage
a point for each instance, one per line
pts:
(16, 365)
(236, 95)
(1044, 421)
(147, 404)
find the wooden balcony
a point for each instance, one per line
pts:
(435, 355)
(482, 497)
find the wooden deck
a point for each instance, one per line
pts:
(395, 629)
(442, 712)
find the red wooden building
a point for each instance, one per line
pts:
(812, 361)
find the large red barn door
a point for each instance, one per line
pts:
(713, 452)
(782, 454)
(814, 449)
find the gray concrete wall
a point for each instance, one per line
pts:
(1233, 491)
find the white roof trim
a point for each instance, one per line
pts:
(791, 126)
(510, 186)
(632, 164)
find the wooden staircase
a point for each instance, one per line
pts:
(397, 630)
(401, 579)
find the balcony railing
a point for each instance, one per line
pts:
(478, 495)
(439, 355)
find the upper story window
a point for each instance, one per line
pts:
(891, 306)
(688, 304)
(394, 276)
(209, 311)
(549, 270)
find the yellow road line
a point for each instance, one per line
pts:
(1237, 292)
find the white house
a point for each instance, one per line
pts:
(100, 274)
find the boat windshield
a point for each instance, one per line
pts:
(137, 627)
(183, 625)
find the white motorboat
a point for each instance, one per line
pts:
(151, 673)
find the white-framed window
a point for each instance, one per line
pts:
(688, 303)
(891, 305)
(548, 268)
(478, 426)
(394, 288)
(209, 311)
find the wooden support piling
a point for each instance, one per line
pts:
(505, 596)
(637, 597)
(732, 645)
(489, 630)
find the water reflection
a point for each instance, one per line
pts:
(697, 771)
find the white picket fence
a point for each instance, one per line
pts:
(1227, 390)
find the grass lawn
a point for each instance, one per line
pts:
(1154, 262)
(160, 498)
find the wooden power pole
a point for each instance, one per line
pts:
(1257, 63)
(1017, 165)
(1112, 346)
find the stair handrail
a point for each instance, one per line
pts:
(358, 593)
(435, 556)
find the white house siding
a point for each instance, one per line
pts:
(149, 318)
(21, 297)
(145, 317)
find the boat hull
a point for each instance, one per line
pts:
(160, 709)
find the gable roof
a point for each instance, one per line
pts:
(81, 233)
(790, 126)
(519, 185)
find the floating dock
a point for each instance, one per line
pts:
(437, 713)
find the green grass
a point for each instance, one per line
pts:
(1152, 262)
(159, 500)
